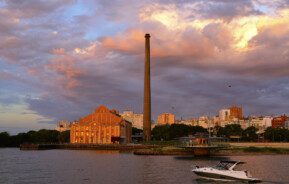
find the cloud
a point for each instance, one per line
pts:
(65, 67)
(131, 41)
(63, 58)
(219, 35)
(167, 44)
(227, 10)
(4, 75)
(32, 8)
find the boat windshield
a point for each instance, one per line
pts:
(223, 166)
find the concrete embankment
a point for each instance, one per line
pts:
(228, 151)
(138, 149)
(163, 151)
(255, 148)
(260, 144)
(85, 147)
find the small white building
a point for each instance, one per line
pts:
(166, 118)
(261, 122)
(268, 121)
(286, 124)
(244, 123)
(203, 121)
(135, 119)
(232, 122)
(185, 122)
(224, 114)
(62, 126)
(216, 121)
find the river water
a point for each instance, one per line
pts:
(110, 167)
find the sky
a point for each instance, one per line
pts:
(62, 59)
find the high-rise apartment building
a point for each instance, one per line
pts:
(166, 118)
(134, 118)
(279, 122)
(236, 112)
(224, 114)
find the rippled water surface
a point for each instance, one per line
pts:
(104, 167)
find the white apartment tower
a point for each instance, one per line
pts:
(135, 119)
(224, 114)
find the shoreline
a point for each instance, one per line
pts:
(224, 152)
(260, 144)
(84, 147)
(234, 149)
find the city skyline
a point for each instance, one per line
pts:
(60, 59)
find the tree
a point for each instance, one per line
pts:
(136, 131)
(31, 136)
(169, 132)
(178, 130)
(161, 132)
(231, 130)
(269, 134)
(197, 129)
(4, 139)
(276, 134)
(219, 131)
(64, 137)
(18, 139)
(41, 136)
(250, 134)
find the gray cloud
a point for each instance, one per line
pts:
(32, 8)
(227, 9)
(65, 75)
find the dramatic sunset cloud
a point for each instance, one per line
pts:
(61, 59)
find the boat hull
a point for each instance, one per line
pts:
(222, 177)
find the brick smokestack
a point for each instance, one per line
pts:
(147, 92)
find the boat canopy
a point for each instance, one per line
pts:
(232, 162)
(227, 164)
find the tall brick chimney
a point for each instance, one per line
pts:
(147, 92)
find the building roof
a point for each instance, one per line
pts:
(102, 115)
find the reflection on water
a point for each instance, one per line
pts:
(112, 167)
(217, 158)
(204, 181)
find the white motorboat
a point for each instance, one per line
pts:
(224, 171)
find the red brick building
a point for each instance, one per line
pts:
(279, 122)
(103, 126)
(236, 112)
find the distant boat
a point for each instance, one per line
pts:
(202, 145)
(224, 171)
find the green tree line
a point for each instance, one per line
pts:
(250, 133)
(277, 134)
(41, 136)
(170, 132)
